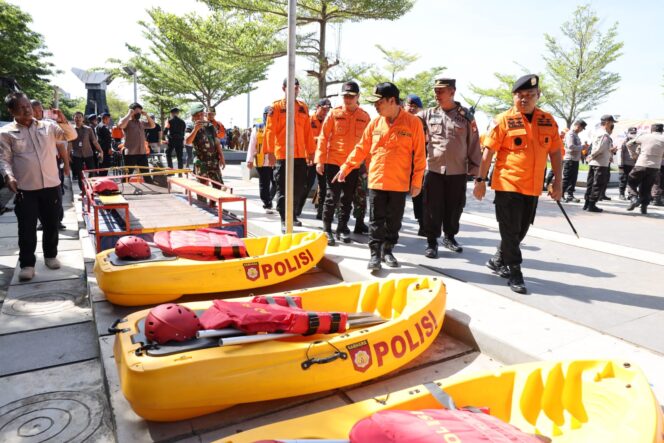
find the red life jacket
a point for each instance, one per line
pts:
(260, 317)
(435, 426)
(201, 244)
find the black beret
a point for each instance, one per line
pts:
(528, 81)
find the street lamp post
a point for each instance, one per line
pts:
(132, 71)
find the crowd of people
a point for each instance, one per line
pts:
(430, 154)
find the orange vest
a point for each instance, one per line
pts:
(392, 151)
(522, 149)
(275, 131)
(341, 131)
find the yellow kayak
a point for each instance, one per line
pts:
(271, 260)
(186, 381)
(580, 401)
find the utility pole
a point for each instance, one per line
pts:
(290, 116)
(248, 109)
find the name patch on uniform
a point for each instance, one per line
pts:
(544, 121)
(404, 134)
(515, 123)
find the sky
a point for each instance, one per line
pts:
(473, 39)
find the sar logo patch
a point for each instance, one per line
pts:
(251, 271)
(360, 355)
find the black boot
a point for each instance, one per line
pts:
(343, 233)
(634, 202)
(585, 205)
(516, 279)
(420, 230)
(374, 261)
(592, 207)
(496, 264)
(389, 258)
(644, 208)
(432, 249)
(360, 227)
(450, 243)
(330, 237)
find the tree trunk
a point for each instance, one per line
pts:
(322, 57)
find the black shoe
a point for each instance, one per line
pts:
(604, 197)
(585, 205)
(361, 228)
(572, 199)
(420, 231)
(40, 227)
(515, 281)
(330, 238)
(319, 216)
(633, 204)
(297, 222)
(644, 209)
(451, 244)
(389, 258)
(592, 207)
(498, 267)
(344, 235)
(374, 263)
(62, 227)
(432, 250)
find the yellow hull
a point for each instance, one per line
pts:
(271, 260)
(193, 383)
(573, 401)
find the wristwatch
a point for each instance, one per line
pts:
(480, 179)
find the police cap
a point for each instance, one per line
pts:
(384, 90)
(444, 82)
(350, 88)
(91, 117)
(581, 123)
(632, 130)
(324, 103)
(607, 118)
(528, 81)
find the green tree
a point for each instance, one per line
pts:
(312, 43)
(396, 62)
(185, 62)
(70, 105)
(24, 55)
(576, 64)
(116, 106)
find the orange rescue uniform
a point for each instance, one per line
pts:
(275, 131)
(392, 152)
(522, 149)
(221, 131)
(341, 131)
(316, 126)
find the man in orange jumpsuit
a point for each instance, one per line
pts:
(522, 138)
(393, 145)
(275, 149)
(317, 118)
(341, 131)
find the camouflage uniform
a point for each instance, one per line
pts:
(207, 157)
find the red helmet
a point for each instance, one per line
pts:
(171, 322)
(132, 247)
(105, 186)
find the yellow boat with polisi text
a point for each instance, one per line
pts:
(162, 279)
(578, 401)
(179, 381)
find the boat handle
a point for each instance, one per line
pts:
(113, 328)
(323, 360)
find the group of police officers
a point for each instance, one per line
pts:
(430, 154)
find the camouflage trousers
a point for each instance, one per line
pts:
(359, 199)
(210, 170)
